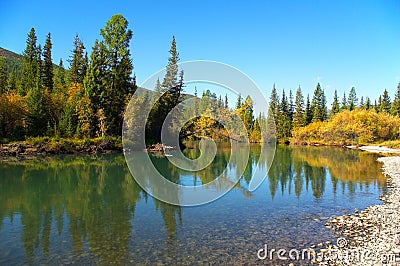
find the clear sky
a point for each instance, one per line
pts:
(290, 43)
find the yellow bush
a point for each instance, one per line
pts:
(350, 128)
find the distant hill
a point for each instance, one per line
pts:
(12, 60)
(4, 53)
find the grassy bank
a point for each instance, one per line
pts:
(57, 145)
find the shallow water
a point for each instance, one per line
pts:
(88, 209)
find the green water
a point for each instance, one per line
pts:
(89, 210)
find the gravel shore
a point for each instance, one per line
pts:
(370, 236)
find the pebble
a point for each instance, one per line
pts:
(373, 230)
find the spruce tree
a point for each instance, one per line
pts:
(171, 75)
(78, 62)
(95, 85)
(308, 116)
(362, 103)
(48, 64)
(396, 103)
(3, 76)
(172, 90)
(284, 123)
(31, 63)
(291, 106)
(335, 104)
(60, 77)
(239, 102)
(318, 105)
(274, 104)
(385, 104)
(352, 100)
(248, 117)
(368, 105)
(298, 117)
(344, 105)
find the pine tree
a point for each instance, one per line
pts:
(396, 103)
(78, 62)
(385, 104)
(226, 105)
(118, 65)
(48, 64)
(298, 118)
(352, 100)
(335, 104)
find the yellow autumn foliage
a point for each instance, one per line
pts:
(355, 127)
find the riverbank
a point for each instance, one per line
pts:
(371, 236)
(49, 146)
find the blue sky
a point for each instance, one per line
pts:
(290, 43)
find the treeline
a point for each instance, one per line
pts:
(348, 120)
(210, 105)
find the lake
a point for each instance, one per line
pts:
(88, 209)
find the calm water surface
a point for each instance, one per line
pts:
(89, 210)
